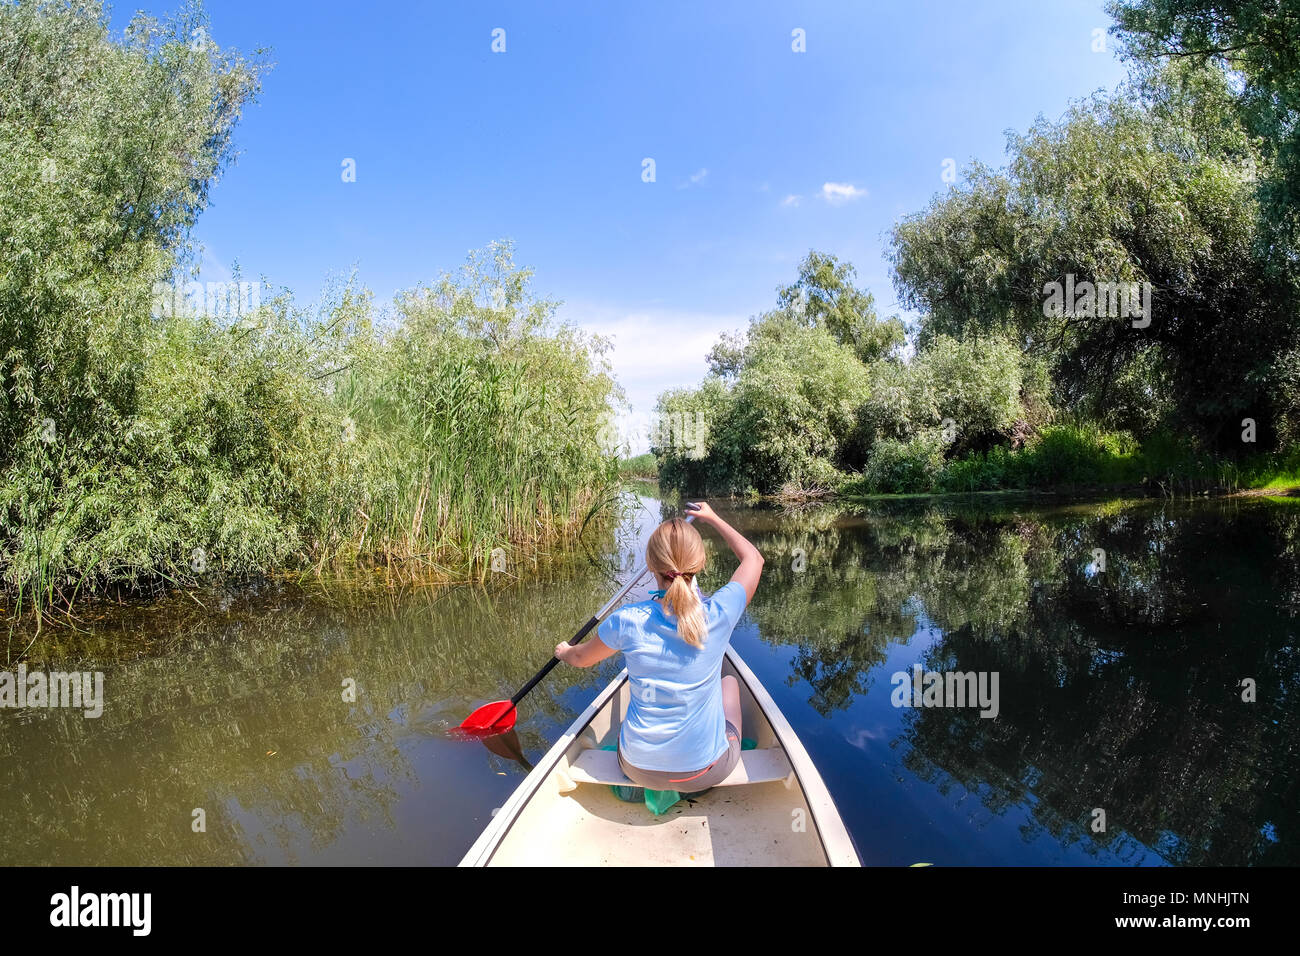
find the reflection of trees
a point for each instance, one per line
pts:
(1118, 689)
(1172, 758)
(837, 642)
(192, 727)
(870, 584)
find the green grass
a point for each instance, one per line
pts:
(1083, 458)
(1279, 482)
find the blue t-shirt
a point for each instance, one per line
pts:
(675, 720)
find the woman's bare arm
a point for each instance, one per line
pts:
(751, 560)
(584, 655)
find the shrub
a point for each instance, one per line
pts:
(1082, 454)
(903, 467)
(638, 466)
(975, 385)
(783, 420)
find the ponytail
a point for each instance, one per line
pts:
(682, 601)
(676, 551)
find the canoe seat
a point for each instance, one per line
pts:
(755, 766)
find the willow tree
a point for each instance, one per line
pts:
(108, 150)
(109, 146)
(1257, 42)
(1154, 185)
(779, 406)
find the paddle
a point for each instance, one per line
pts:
(499, 716)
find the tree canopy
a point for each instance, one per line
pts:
(1151, 185)
(1257, 43)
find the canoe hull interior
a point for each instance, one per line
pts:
(549, 821)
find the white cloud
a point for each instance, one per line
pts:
(653, 350)
(838, 193)
(695, 179)
(791, 200)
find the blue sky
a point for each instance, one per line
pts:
(456, 145)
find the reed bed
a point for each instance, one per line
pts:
(454, 436)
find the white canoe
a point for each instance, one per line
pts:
(774, 809)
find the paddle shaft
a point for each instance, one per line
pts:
(586, 629)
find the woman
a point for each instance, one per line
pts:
(683, 728)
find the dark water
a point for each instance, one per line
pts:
(1119, 690)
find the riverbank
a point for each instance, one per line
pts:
(159, 433)
(457, 440)
(1082, 495)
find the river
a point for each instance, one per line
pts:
(1120, 632)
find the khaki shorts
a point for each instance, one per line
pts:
(710, 776)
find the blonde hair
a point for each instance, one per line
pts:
(676, 551)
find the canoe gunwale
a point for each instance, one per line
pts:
(480, 854)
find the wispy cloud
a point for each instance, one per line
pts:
(791, 200)
(838, 193)
(213, 269)
(695, 179)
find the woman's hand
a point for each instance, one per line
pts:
(702, 511)
(562, 649)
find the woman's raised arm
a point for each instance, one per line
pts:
(751, 560)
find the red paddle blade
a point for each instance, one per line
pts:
(494, 718)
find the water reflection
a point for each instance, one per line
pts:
(1119, 690)
(245, 715)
